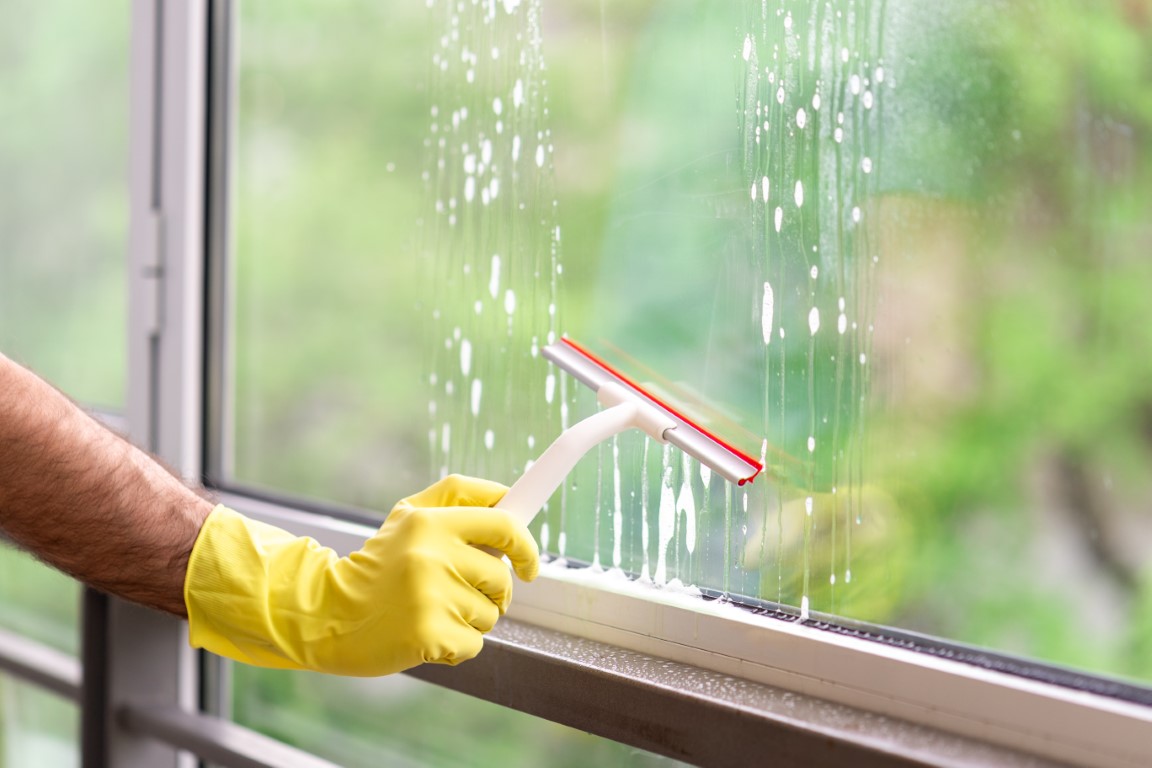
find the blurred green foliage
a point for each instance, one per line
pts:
(64, 196)
(992, 488)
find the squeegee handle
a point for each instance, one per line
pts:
(622, 411)
(533, 489)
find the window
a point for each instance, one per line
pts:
(896, 250)
(838, 223)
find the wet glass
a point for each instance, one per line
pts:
(900, 248)
(64, 196)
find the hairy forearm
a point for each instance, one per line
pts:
(88, 502)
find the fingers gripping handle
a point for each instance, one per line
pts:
(622, 411)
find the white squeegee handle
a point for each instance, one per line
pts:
(622, 411)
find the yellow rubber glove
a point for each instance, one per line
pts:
(418, 591)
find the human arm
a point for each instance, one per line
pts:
(87, 501)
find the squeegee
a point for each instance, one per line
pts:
(626, 405)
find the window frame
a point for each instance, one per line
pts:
(1008, 710)
(695, 680)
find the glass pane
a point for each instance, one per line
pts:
(328, 167)
(64, 200)
(901, 247)
(405, 722)
(36, 727)
(38, 602)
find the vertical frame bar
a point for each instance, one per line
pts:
(222, 69)
(216, 672)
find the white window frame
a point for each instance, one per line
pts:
(701, 681)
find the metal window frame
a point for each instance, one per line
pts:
(689, 679)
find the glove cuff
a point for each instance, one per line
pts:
(228, 589)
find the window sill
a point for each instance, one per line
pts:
(689, 713)
(677, 664)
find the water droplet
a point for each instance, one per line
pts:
(539, 155)
(856, 213)
(686, 505)
(489, 439)
(801, 118)
(515, 148)
(509, 301)
(469, 188)
(549, 387)
(854, 84)
(863, 359)
(867, 99)
(477, 388)
(465, 357)
(879, 74)
(799, 194)
(764, 187)
(766, 313)
(814, 272)
(494, 276)
(814, 320)
(779, 217)
(497, 105)
(804, 608)
(747, 53)
(816, 102)
(842, 323)
(866, 164)
(518, 93)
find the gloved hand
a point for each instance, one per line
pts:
(418, 591)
